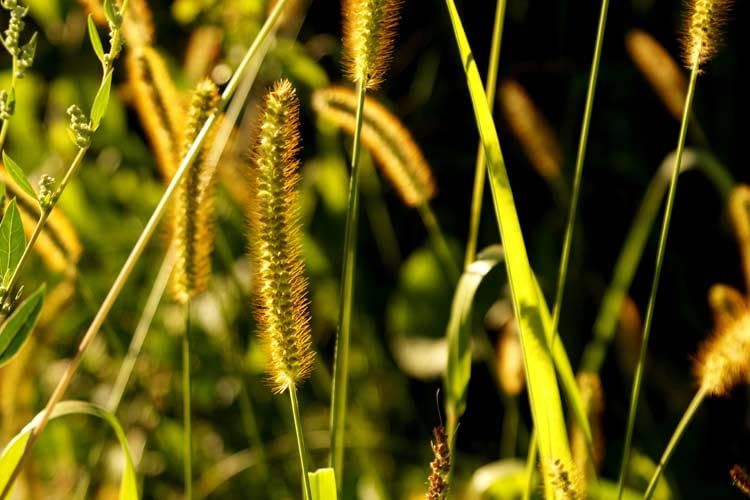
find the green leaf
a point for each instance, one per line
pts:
(16, 329)
(101, 101)
(17, 174)
(323, 484)
(12, 240)
(109, 12)
(544, 395)
(458, 333)
(15, 448)
(96, 42)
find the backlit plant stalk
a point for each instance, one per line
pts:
(193, 237)
(281, 304)
(704, 21)
(369, 33)
(62, 386)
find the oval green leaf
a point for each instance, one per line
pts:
(16, 329)
(16, 447)
(101, 101)
(96, 41)
(18, 175)
(12, 240)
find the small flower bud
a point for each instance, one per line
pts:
(80, 125)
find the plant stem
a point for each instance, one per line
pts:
(140, 245)
(438, 241)
(580, 156)
(307, 492)
(187, 431)
(655, 282)
(341, 362)
(6, 123)
(678, 432)
(530, 465)
(480, 172)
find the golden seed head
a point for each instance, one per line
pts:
(58, 244)
(703, 24)
(593, 402)
(388, 140)
(740, 479)
(658, 67)
(566, 481)
(440, 466)
(723, 361)
(281, 305)
(739, 214)
(159, 107)
(193, 221)
(510, 360)
(531, 129)
(369, 35)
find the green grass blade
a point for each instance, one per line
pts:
(323, 484)
(544, 396)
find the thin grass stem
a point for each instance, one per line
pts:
(341, 362)
(657, 274)
(439, 242)
(300, 442)
(143, 239)
(6, 123)
(480, 171)
(187, 431)
(530, 465)
(676, 436)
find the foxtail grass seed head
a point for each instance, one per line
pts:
(531, 129)
(193, 231)
(727, 305)
(740, 479)
(722, 361)
(440, 466)
(660, 69)
(392, 145)
(275, 242)
(510, 367)
(369, 35)
(628, 335)
(566, 481)
(739, 214)
(593, 402)
(704, 22)
(159, 107)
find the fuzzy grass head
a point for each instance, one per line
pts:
(703, 29)
(369, 35)
(193, 224)
(722, 361)
(392, 145)
(440, 466)
(740, 479)
(281, 304)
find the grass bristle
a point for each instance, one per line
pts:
(281, 287)
(193, 224)
(703, 29)
(369, 36)
(722, 361)
(392, 145)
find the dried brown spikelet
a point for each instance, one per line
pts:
(703, 26)
(593, 402)
(660, 69)
(567, 482)
(510, 368)
(392, 145)
(193, 211)
(740, 479)
(159, 107)
(281, 304)
(369, 35)
(531, 129)
(727, 305)
(58, 244)
(628, 335)
(440, 466)
(739, 214)
(722, 361)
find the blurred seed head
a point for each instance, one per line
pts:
(593, 402)
(389, 141)
(281, 304)
(727, 305)
(740, 479)
(722, 361)
(510, 366)
(739, 214)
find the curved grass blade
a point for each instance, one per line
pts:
(16, 447)
(544, 395)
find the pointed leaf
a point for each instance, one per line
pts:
(323, 484)
(18, 326)
(109, 12)
(19, 177)
(96, 41)
(12, 240)
(101, 101)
